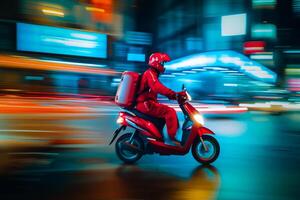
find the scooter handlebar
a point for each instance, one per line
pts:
(181, 97)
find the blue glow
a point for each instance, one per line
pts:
(77, 63)
(292, 51)
(47, 39)
(223, 59)
(34, 78)
(142, 38)
(264, 31)
(234, 25)
(296, 7)
(262, 3)
(136, 57)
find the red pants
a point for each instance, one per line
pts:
(156, 109)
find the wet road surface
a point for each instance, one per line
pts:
(64, 155)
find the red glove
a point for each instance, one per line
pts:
(173, 96)
(181, 96)
(182, 93)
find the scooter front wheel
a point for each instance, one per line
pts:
(129, 153)
(208, 155)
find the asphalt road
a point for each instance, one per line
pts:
(66, 156)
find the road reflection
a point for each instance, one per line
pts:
(66, 156)
(133, 182)
(203, 184)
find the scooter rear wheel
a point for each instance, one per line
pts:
(212, 153)
(126, 155)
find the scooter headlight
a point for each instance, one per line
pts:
(120, 120)
(199, 119)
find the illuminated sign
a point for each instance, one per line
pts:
(101, 10)
(234, 25)
(251, 47)
(223, 59)
(263, 3)
(136, 57)
(296, 7)
(264, 31)
(47, 39)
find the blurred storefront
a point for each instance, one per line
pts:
(266, 31)
(120, 35)
(81, 34)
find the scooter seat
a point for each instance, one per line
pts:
(158, 122)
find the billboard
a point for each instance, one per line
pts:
(234, 25)
(47, 39)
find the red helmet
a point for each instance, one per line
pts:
(157, 60)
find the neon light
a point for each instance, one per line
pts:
(189, 80)
(264, 3)
(254, 48)
(260, 74)
(292, 51)
(84, 36)
(189, 72)
(116, 80)
(256, 105)
(51, 12)
(231, 60)
(251, 47)
(218, 109)
(264, 31)
(251, 68)
(200, 70)
(94, 9)
(72, 42)
(218, 60)
(261, 57)
(167, 75)
(76, 63)
(230, 84)
(231, 71)
(178, 74)
(287, 105)
(136, 57)
(216, 68)
(193, 61)
(27, 63)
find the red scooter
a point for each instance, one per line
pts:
(147, 137)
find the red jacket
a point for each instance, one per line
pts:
(150, 86)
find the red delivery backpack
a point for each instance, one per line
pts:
(127, 90)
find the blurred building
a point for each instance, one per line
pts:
(91, 34)
(95, 40)
(264, 30)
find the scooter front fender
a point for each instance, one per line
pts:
(202, 131)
